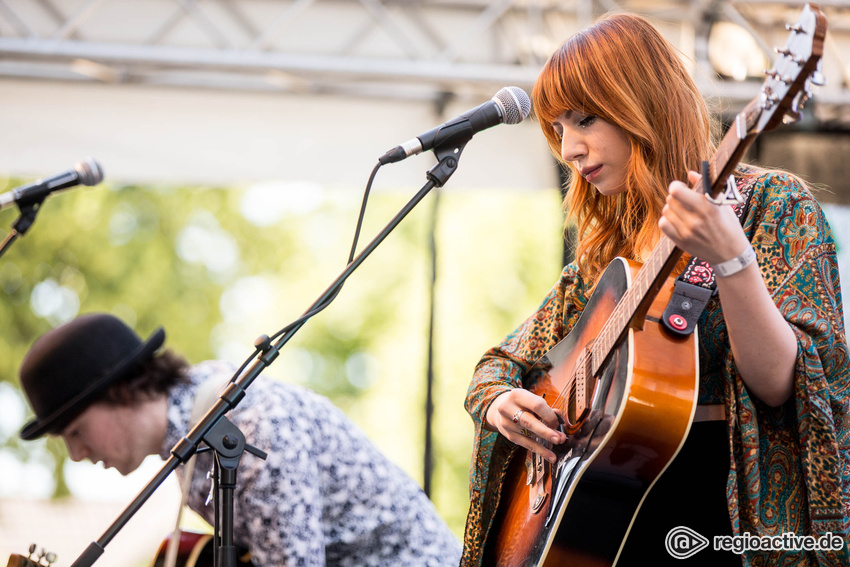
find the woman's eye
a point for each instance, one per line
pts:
(586, 121)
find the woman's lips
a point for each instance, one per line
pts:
(590, 173)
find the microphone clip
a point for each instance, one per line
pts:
(447, 156)
(21, 225)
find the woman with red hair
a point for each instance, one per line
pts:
(768, 452)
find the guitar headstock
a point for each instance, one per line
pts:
(41, 559)
(787, 85)
(785, 90)
(16, 560)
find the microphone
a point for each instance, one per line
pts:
(86, 172)
(510, 105)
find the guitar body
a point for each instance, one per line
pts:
(636, 416)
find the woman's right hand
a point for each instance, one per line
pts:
(521, 417)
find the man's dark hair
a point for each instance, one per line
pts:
(156, 376)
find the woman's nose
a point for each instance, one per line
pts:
(572, 148)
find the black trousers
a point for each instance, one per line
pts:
(690, 493)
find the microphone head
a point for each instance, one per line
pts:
(89, 171)
(515, 104)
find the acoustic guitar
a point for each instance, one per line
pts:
(626, 386)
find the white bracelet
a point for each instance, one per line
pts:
(736, 264)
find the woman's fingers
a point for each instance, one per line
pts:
(698, 226)
(527, 420)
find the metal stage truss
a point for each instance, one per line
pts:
(397, 49)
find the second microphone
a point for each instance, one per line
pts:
(510, 105)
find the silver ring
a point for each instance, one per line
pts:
(517, 415)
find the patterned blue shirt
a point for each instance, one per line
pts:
(324, 496)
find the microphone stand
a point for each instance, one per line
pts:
(223, 438)
(22, 225)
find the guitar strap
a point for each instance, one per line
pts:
(205, 395)
(697, 283)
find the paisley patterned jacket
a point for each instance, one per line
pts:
(789, 466)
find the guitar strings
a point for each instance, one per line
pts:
(615, 324)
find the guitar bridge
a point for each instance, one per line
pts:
(537, 469)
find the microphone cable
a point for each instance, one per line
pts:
(263, 343)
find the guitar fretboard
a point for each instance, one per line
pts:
(642, 291)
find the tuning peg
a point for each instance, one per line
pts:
(32, 549)
(791, 117)
(51, 558)
(796, 28)
(777, 76)
(767, 97)
(768, 100)
(785, 52)
(801, 99)
(818, 78)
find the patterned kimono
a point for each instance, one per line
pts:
(789, 466)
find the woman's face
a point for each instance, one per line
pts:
(599, 150)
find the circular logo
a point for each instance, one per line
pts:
(683, 542)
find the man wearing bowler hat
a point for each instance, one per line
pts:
(325, 495)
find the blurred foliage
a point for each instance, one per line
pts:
(198, 262)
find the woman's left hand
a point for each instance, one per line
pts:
(698, 226)
(763, 345)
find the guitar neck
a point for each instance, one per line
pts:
(634, 304)
(733, 146)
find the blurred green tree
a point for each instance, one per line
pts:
(218, 267)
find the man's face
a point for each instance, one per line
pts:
(111, 434)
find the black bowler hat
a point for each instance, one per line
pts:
(66, 369)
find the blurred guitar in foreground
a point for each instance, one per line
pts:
(194, 550)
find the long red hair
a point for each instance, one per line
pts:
(623, 71)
